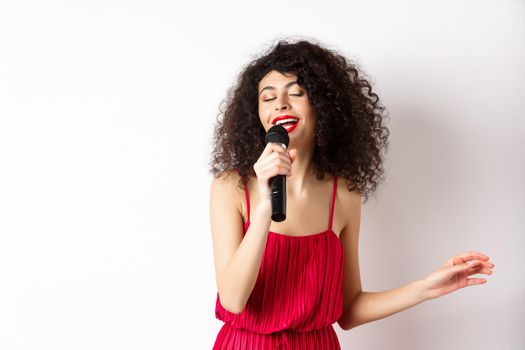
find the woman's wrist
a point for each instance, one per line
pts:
(421, 289)
(264, 207)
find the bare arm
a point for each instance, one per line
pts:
(371, 306)
(362, 307)
(453, 275)
(237, 259)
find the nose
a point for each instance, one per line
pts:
(281, 104)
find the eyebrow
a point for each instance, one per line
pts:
(273, 87)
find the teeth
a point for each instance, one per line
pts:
(286, 121)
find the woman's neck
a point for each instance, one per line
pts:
(303, 173)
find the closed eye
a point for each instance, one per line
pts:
(270, 99)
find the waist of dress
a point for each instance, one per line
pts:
(235, 337)
(283, 330)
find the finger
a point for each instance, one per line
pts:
(274, 158)
(479, 270)
(461, 258)
(292, 153)
(479, 266)
(452, 270)
(270, 172)
(272, 147)
(272, 151)
(487, 265)
(473, 255)
(475, 281)
(276, 170)
(485, 271)
(277, 147)
(282, 169)
(267, 149)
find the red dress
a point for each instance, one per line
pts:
(296, 298)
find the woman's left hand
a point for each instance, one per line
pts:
(454, 274)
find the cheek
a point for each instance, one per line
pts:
(262, 111)
(263, 114)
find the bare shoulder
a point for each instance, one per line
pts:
(227, 176)
(346, 196)
(226, 197)
(226, 184)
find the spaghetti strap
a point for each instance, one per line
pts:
(334, 191)
(247, 198)
(247, 201)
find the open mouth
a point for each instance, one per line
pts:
(290, 126)
(287, 122)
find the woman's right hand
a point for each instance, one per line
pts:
(274, 160)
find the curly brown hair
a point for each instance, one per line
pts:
(350, 138)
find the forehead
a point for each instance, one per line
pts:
(276, 79)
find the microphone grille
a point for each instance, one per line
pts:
(277, 134)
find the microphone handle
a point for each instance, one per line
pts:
(278, 198)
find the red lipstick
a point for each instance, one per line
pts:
(288, 126)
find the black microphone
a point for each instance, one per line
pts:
(279, 135)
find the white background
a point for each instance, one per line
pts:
(107, 111)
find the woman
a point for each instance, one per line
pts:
(283, 284)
